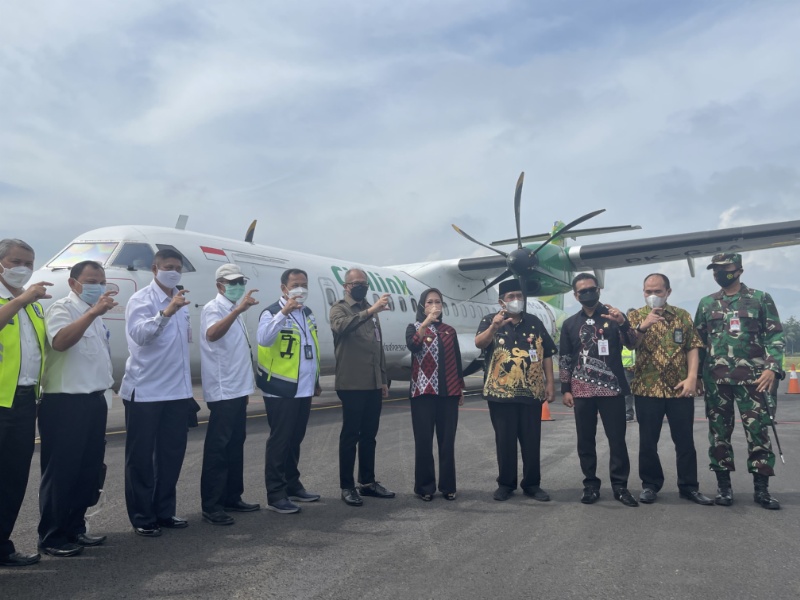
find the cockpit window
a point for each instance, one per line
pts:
(80, 251)
(135, 256)
(187, 266)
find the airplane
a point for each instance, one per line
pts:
(467, 284)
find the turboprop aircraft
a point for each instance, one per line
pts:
(467, 284)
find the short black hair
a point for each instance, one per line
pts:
(78, 268)
(289, 272)
(581, 277)
(664, 277)
(165, 254)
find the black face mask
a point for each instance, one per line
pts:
(725, 278)
(589, 297)
(359, 292)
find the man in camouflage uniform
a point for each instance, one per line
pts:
(742, 333)
(664, 383)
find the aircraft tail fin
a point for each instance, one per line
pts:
(248, 236)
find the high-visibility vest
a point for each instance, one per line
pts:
(628, 358)
(279, 364)
(11, 351)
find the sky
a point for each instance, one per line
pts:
(362, 130)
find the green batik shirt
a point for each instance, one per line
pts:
(742, 335)
(661, 362)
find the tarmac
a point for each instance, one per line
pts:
(473, 547)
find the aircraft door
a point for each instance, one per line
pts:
(330, 291)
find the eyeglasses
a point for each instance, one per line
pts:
(352, 283)
(589, 290)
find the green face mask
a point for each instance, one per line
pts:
(234, 291)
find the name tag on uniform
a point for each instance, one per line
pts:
(308, 351)
(735, 324)
(677, 336)
(602, 347)
(534, 356)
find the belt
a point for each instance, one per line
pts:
(24, 390)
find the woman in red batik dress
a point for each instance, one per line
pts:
(437, 390)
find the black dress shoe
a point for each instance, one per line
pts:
(351, 497)
(303, 495)
(724, 496)
(83, 539)
(65, 550)
(149, 531)
(502, 494)
(375, 489)
(696, 497)
(218, 518)
(590, 495)
(173, 523)
(648, 496)
(15, 559)
(537, 493)
(624, 496)
(242, 506)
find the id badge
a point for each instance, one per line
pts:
(602, 347)
(677, 336)
(534, 356)
(377, 330)
(735, 324)
(308, 351)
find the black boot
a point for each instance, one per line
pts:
(761, 494)
(724, 491)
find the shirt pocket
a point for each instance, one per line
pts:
(89, 343)
(748, 317)
(716, 322)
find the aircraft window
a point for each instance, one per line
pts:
(472, 311)
(187, 266)
(135, 256)
(375, 298)
(403, 306)
(413, 305)
(75, 253)
(455, 310)
(330, 297)
(446, 310)
(391, 303)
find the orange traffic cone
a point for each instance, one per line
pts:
(546, 412)
(794, 385)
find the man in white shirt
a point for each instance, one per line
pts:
(156, 391)
(22, 338)
(72, 415)
(227, 370)
(288, 374)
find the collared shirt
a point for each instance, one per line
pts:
(358, 346)
(158, 366)
(661, 362)
(269, 326)
(30, 354)
(84, 367)
(584, 371)
(742, 334)
(514, 370)
(226, 365)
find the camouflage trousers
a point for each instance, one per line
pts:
(720, 400)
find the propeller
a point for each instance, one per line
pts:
(522, 263)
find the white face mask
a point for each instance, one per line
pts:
(654, 301)
(16, 277)
(168, 279)
(300, 294)
(515, 306)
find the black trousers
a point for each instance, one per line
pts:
(154, 448)
(361, 417)
(288, 419)
(437, 414)
(512, 422)
(612, 413)
(17, 439)
(680, 415)
(222, 477)
(72, 428)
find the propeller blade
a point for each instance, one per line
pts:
(504, 275)
(473, 240)
(567, 227)
(517, 200)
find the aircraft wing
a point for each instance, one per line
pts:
(613, 255)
